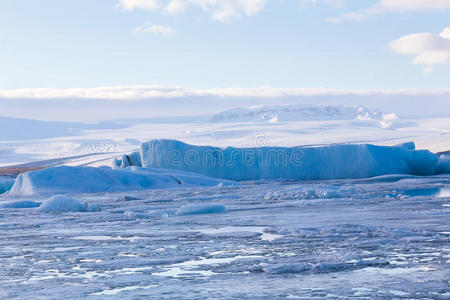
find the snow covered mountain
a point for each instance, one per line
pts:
(305, 112)
(301, 112)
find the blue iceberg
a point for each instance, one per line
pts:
(343, 161)
(74, 180)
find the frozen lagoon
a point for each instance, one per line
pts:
(385, 237)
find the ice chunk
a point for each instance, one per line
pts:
(408, 145)
(20, 204)
(66, 179)
(195, 209)
(294, 163)
(288, 268)
(5, 184)
(132, 159)
(59, 203)
(304, 192)
(136, 215)
(443, 165)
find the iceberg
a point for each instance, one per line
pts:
(443, 166)
(59, 203)
(5, 184)
(341, 161)
(65, 179)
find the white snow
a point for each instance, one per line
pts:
(65, 179)
(344, 161)
(59, 203)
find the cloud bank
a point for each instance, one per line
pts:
(165, 92)
(123, 102)
(429, 49)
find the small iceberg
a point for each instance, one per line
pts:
(59, 203)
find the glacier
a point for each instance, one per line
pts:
(340, 161)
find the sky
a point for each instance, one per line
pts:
(207, 44)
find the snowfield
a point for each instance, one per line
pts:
(262, 202)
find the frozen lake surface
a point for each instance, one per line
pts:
(387, 237)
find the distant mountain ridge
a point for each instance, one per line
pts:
(300, 112)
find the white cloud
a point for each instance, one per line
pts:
(175, 7)
(161, 92)
(155, 29)
(335, 3)
(394, 6)
(151, 5)
(429, 49)
(220, 10)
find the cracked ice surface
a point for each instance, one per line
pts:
(387, 237)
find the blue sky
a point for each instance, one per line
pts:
(218, 43)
